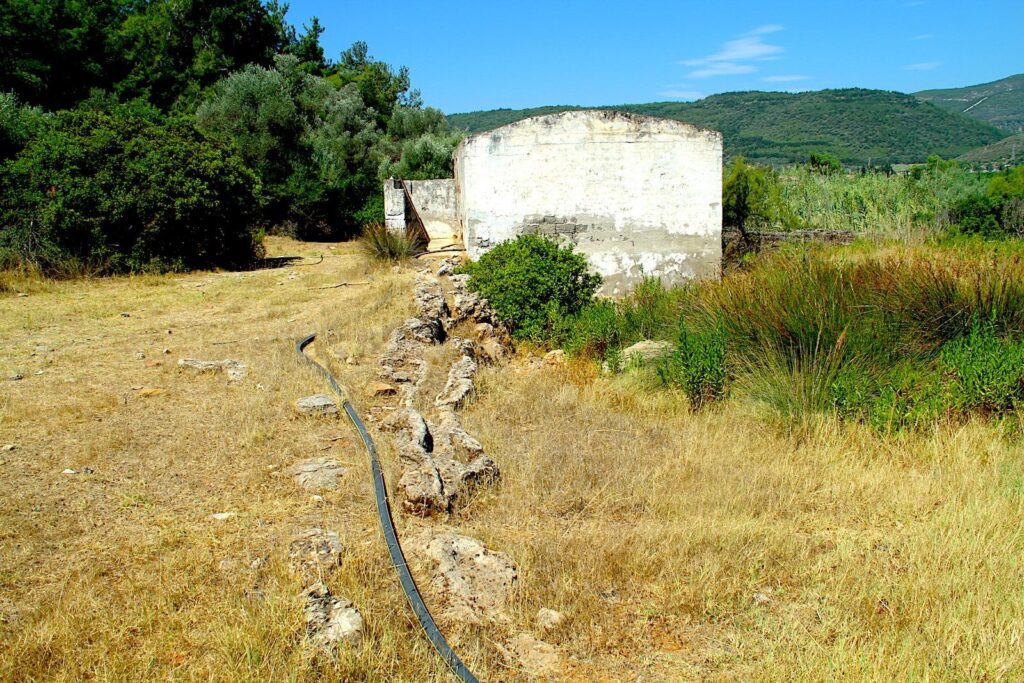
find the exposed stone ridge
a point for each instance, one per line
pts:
(442, 460)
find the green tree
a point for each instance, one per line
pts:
(125, 191)
(824, 163)
(751, 197)
(311, 143)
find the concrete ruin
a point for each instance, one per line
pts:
(638, 196)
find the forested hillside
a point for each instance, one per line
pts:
(858, 126)
(1000, 103)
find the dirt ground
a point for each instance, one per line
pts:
(714, 546)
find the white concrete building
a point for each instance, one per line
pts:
(636, 195)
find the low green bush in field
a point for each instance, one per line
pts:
(697, 366)
(985, 371)
(533, 284)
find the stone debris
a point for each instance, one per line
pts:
(412, 437)
(538, 658)
(235, 369)
(317, 405)
(556, 357)
(318, 473)
(460, 377)
(645, 351)
(470, 582)
(223, 516)
(548, 619)
(9, 447)
(331, 622)
(8, 612)
(380, 389)
(314, 552)
(15, 376)
(422, 489)
(448, 266)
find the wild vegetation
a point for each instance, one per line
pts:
(1000, 103)
(193, 128)
(859, 127)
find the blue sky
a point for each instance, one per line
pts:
(466, 56)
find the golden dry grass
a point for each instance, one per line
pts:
(653, 529)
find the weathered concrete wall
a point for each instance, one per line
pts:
(637, 195)
(394, 206)
(435, 203)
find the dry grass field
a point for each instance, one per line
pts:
(710, 546)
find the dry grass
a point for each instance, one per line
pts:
(652, 528)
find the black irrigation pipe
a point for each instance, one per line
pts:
(387, 524)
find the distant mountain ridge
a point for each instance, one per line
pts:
(1000, 103)
(857, 125)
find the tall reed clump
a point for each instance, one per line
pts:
(379, 243)
(896, 342)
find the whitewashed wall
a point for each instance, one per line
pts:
(637, 195)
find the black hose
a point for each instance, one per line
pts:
(387, 524)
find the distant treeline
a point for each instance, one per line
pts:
(171, 134)
(860, 127)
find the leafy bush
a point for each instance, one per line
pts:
(824, 163)
(381, 244)
(18, 124)
(697, 365)
(987, 371)
(532, 282)
(592, 333)
(751, 198)
(117, 191)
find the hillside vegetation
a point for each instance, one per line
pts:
(1007, 150)
(858, 126)
(1000, 103)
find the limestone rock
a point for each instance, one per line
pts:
(470, 582)
(331, 622)
(556, 357)
(548, 619)
(460, 377)
(317, 405)
(234, 369)
(412, 438)
(422, 490)
(318, 473)
(314, 552)
(646, 351)
(380, 389)
(537, 658)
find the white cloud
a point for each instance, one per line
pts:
(787, 78)
(922, 66)
(924, 36)
(722, 69)
(734, 56)
(677, 94)
(914, 3)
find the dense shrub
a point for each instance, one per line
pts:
(751, 198)
(18, 123)
(306, 139)
(119, 191)
(532, 283)
(998, 212)
(697, 365)
(986, 370)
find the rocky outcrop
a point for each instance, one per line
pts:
(317, 405)
(234, 369)
(318, 474)
(331, 622)
(470, 582)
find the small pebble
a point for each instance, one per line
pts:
(222, 516)
(69, 471)
(140, 356)
(9, 447)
